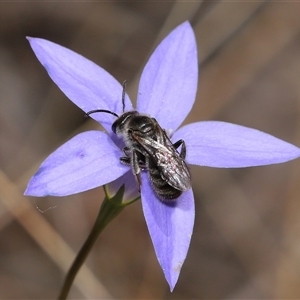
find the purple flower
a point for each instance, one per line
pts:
(167, 91)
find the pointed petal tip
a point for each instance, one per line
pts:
(29, 193)
(32, 39)
(186, 25)
(34, 189)
(225, 145)
(86, 161)
(172, 281)
(86, 84)
(170, 75)
(26, 192)
(170, 228)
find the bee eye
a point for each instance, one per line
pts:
(114, 127)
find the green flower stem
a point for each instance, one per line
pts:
(109, 209)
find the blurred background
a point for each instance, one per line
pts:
(246, 241)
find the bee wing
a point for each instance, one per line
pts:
(173, 169)
(171, 165)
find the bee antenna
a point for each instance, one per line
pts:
(101, 110)
(108, 111)
(123, 94)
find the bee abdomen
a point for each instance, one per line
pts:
(161, 188)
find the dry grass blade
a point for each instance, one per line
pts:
(48, 239)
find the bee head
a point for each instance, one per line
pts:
(122, 121)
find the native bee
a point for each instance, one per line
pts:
(148, 147)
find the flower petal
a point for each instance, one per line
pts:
(131, 187)
(88, 160)
(225, 145)
(82, 81)
(168, 84)
(170, 226)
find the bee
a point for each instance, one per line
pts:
(148, 147)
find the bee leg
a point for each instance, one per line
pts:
(183, 148)
(136, 168)
(125, 160)
(126, 151)
(141, 160)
